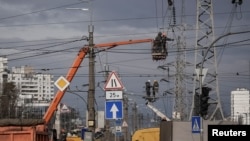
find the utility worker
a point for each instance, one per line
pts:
(155, 87)
(164, 41)
(158, 42)
(63, 135)
(148, 87)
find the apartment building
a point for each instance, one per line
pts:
(240, 105)
(39, 87)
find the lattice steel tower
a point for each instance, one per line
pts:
(180, 111)
(204, 38)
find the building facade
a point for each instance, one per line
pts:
(240, 106)
(31, 85)
(35, 90)
(3, 72)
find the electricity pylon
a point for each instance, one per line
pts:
(204, 37)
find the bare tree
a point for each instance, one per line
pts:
(8, 100)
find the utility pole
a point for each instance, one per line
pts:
(91, 91)
(125, 120)
(107, 124)
(135, 116)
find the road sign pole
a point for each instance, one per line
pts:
(115, 129)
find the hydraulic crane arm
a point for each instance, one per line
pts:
(70, 75)
(73, 69)
(114, 44)
(158, 113)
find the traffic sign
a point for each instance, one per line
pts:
(118, 128)
(113, 109)
(65, 109)
(124, 124)
(114, 95)
(118, 122)
(196, 124)
(113, 82)
(62, 83)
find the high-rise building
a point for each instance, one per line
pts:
(31, 85)
(240, 105)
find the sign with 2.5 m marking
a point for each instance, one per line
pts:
(114, 95)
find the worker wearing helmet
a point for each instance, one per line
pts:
(158, 42)
(164, 41)
(155, 87)
(63, 135)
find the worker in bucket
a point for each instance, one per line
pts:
(164, 41)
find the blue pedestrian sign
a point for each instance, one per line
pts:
(113, 109)
(196, 124)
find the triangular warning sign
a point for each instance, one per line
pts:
(113, 82)
(124, 124)
(64, 109)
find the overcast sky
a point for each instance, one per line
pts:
(44, 34)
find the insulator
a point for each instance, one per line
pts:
(240, 2)
(170, 3)
(174, 16)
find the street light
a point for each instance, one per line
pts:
(83, 9)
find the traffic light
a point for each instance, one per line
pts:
(196, 104)
(170, 3)
(238, 1)
(204, 101)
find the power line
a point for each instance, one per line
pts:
(40, 49)
(39, 11)
(148, 51)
